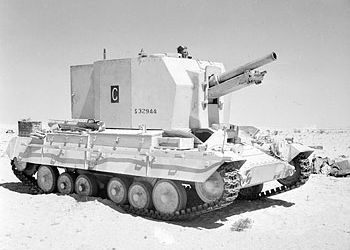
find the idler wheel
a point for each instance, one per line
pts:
(65, 183)
(47, 178)
(212, 189)
(250, 193)
(86, 185)
(20, 165)
(169, 196)
(139, 195)
(30, 169)
(117, 190)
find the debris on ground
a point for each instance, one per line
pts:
(241, 224)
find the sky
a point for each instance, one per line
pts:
(308, 85)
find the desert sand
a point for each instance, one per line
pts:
(314, 216)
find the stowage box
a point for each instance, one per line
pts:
(27, 127)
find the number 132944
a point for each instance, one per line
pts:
(145, 111)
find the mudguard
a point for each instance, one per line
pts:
(289, 151)
(297, 149)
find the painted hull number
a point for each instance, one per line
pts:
(145, 111)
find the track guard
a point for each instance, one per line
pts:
(10, 151)
(299, 150)
(289, 151)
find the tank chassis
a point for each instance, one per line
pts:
(171, 157)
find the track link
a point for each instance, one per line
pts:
(232, 185)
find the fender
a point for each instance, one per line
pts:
(288, 151)
(297, 149)
(11, 147)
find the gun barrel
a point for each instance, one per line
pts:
(240, 70)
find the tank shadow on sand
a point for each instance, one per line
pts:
(23, 189)
(218, 218)
(16, 187)
(211, 220)
(104, 201)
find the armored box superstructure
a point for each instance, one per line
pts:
(160, 91)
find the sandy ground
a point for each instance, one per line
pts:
(315, 216)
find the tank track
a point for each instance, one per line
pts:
(231, 189)
(28, 181)
(305, 172)
(232, 185)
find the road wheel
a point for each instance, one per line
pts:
(86, 185)
(117, 190)
(65, 183)
(212, 189)
(140, 195)
(47, 178)
(169, 196)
